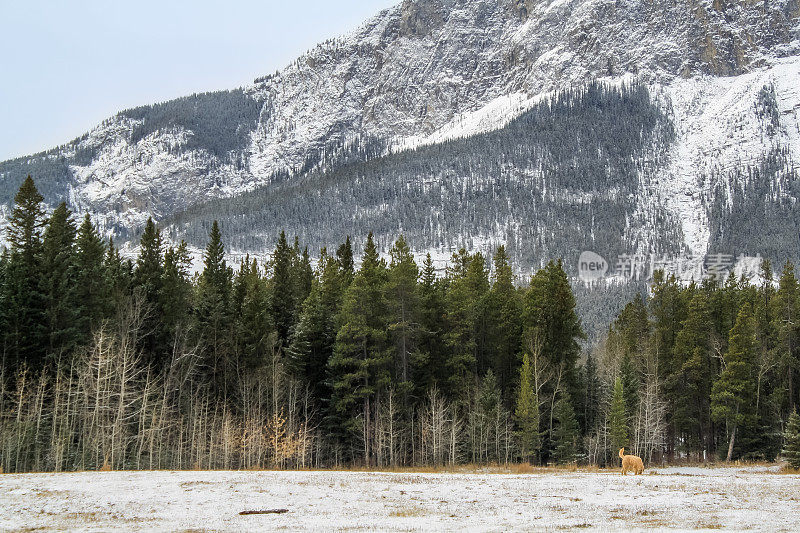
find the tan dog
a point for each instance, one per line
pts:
(631, 463)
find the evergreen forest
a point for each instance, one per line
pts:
(330, 361)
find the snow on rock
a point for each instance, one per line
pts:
(717, 131)
(426, 71)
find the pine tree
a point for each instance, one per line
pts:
(118, 274)
(689, 383)
(504, 316)
(565, 433)
(617, 418)
(668, 311)
(253, 322)
(344, 257)
(403, 304)
(26, 336)
(791, 447)
(468, 286)
(360, 363)
(787, 317)
(551, 325)
(592, 394)
(213, 312)
(429, 360)
(176, 289)
(58, 283)
(733, 394)
(303, 276)
(147, 280)
(282, 298)
(526, 413)
(93, 294)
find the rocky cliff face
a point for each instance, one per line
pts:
(430, 70)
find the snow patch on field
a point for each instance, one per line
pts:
(674, 498)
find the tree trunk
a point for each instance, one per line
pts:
(730, 446)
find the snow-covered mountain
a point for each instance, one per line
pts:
(722, 76)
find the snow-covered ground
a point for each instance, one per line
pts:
(674, 498)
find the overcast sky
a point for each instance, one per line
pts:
(67, 65)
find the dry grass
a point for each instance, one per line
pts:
(471, 468)
(408, 512)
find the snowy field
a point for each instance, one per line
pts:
(674, 498)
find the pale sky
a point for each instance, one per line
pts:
(67, 65)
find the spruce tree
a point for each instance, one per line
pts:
(549, 311)
(689, 382)
(213, 312)
(592, 394)
(566, 431)
(526, 413)
(4, 256)
(303, 277)
(552, 328)
(787, 318)
(492, 418)
(617, 418)
(282, 298)
(668, 311)
(791, 447)
(344, 257)
(733, 394)
(629, 334)
(92, 289)
(26, 336)
(118, 274)
(253, 322)
(147, 280)
(58, 282)
(150, 263)
(764, 440)
(360, 365)
(311, 346)
(429, 361)
(631, 329)
(468, 286)
(176, 289)
(403, 305)
(504, 315)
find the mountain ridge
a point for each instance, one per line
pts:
(425, 72)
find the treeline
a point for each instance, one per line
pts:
(110, 362)
(114, 363)
(704, 371)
